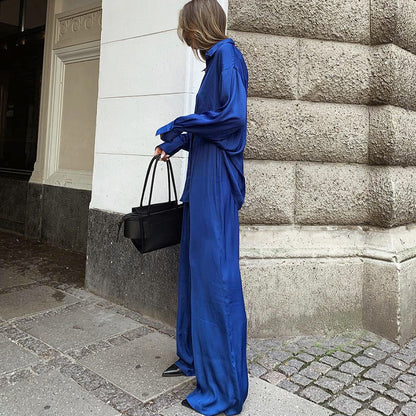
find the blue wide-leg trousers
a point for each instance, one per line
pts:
(211, 328)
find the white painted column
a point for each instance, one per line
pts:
(147, 78)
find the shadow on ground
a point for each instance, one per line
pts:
(40, 261)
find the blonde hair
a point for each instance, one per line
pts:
(206, 21)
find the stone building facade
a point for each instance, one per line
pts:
(328, 235)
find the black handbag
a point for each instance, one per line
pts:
(154, 226)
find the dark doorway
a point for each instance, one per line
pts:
(22, 34)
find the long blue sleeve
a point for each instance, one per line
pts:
(216, 130)
(169, 136)
(179, 141)
(229, 117)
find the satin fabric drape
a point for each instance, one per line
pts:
(211, 331)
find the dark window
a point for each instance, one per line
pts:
(22, 33)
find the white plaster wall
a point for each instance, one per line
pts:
(147, 78)
(66, 5)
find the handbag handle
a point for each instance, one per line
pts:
(156, 157)
(170, 173)
(170, 170)
(173, 180)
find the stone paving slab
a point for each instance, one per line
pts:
(264, 399)
(9, 278)
(137, 366)
(354, 373)
(76, 327)
(14, 357)
(51, 394)
(27, 300)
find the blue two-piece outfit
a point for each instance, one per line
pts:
(211, 330)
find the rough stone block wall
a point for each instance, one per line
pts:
(329, 223)
(331, 110)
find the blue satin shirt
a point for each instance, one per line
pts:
(215, 135)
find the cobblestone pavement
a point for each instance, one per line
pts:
(354, 373)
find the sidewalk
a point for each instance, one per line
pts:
(68, 352)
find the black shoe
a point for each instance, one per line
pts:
(172, 371)
(186, 404)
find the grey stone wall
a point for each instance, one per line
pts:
(323, 89)
(54, 215)
(331, 143)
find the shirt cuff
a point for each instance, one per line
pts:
(165, 128)
(170, 135)
(169, 148)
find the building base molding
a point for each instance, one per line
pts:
(57, 216)
(115, 270)
(320, 279)
(296, 279)
(54, 215)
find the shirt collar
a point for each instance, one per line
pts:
(212, 49)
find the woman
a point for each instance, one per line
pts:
(211, 319)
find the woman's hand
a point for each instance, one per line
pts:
(158, 151)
